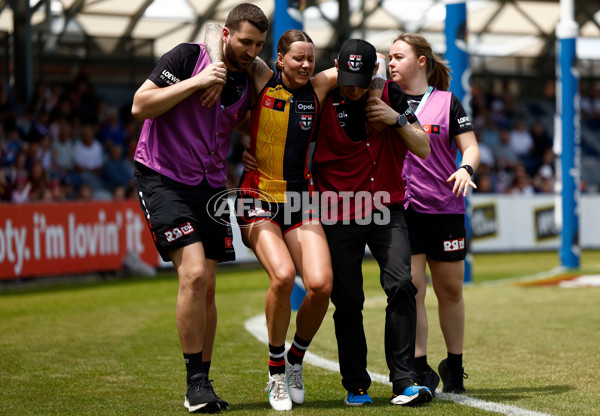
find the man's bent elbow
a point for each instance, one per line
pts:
(137, 113)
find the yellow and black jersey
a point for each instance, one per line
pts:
(283, 122)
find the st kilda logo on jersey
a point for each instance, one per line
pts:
(306, 121)
(355, 62)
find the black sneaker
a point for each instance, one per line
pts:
(200, 396)
(222, 403)
(452, 377)
(429, 379)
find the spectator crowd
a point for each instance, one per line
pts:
(69, 143)
(515, 136)
(66, 144)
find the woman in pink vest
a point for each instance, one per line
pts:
(435, 205)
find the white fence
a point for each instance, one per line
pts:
(526, 223)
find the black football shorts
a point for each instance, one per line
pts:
(179, 215)
(441, 237)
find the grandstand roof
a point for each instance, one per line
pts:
(523, 31)
(496, 27)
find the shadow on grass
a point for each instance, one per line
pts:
(305, 408)
(513, 393)
(316, 405)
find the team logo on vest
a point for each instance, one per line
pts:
(273, 103)
(305, 107)
(355, 62)
(306, 121)
(431, 128)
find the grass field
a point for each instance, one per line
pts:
(110, 347)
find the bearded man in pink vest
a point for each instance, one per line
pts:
(180, 164)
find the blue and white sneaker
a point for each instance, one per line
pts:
(358, 398)
(413, 396)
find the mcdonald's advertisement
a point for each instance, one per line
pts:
(39, 240)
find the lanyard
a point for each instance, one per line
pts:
(425, 97)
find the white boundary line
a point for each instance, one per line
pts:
(530, 278)
(257, 326)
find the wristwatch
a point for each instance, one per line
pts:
(468, 169)
(401, 121)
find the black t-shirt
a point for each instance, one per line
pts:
(179, 63)
(353, 118)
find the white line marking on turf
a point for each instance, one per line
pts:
(529, 278)
(585, 280)
(257, 326)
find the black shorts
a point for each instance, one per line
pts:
(441, 237)
(286, 215)
(179, 215)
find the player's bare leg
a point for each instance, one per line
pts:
(310, 251)
(266, 240)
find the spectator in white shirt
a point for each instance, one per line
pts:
(89, 158)
(520, 139)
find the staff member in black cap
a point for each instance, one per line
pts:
(357, 170)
